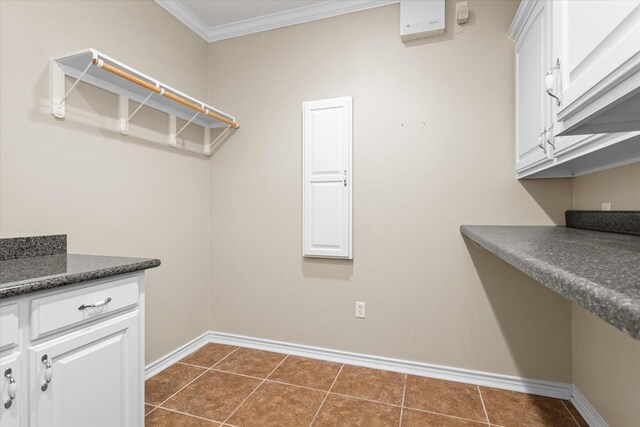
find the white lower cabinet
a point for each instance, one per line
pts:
(80, 358)
(93, 377)
(13, 390)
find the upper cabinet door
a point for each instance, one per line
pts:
(532, 104)
(597, 43)
(327, 152)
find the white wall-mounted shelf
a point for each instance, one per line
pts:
(98, 69)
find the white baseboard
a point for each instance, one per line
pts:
(543, 388)
(169, 359)
(587, 411)
(487, 379)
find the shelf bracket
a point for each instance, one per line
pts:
(187, 124)
(173, 135)
(58, 103)
(123, 112)
(57, 90)
(172, 130)
(207, 137)
(209, 146)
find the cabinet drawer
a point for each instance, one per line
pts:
(69, 309)
(9, 332)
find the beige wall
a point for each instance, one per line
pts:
(111, 194)
(433, 149)
(606, 361)
(620, 186)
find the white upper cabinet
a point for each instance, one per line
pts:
(577, 69)
(597, 44)
(532, 106)
(327, 149)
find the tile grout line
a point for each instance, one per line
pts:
(191, 382)
(366, 400)
(221, 360)
(484, 408)
(450, 416)
(235, 373)
(191, 364)
(254, 390)
(404, 391)
(325, 396)
(147, 413)
(189, 415)
(567, 408)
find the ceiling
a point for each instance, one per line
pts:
(222, 19)
(216, 13)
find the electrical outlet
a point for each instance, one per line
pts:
(606, 206)
(360, 313)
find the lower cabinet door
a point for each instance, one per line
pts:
(91, 377)
(13, 391)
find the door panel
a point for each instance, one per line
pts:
(327, 215)
(10, 417)
(532, 105)
(595, 38)
(327, 199)
(92, 369)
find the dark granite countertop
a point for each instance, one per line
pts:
(598, 271)
(26, 275)
(31, 264)
(36, 263)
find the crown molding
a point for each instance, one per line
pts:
(520, 19)
(185, 16)
(267, 22)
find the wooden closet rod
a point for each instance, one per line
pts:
(154, 88)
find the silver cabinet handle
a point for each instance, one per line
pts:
(95, 304)
(344, 180)
(550, 140)
(48, 374)
(542, 140)
(13, 388)
(549, 82)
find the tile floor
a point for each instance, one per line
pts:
(235, 386)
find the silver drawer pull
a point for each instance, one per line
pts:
(48, 374)
(13, 387)
(95, 304)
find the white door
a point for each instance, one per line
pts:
(93, 377)
(327, 145)
(532, 103)
(13, 383)
(592, 39)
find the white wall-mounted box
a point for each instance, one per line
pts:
(420, 19)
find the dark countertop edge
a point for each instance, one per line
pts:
(57, 281)
(568, 281)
